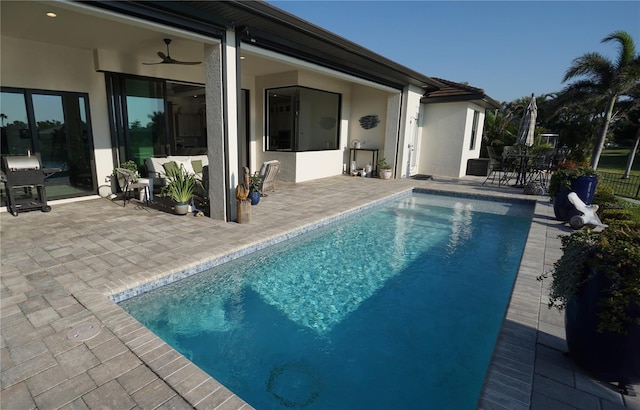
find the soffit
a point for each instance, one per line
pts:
(264, 25)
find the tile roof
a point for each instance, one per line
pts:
(453, 91)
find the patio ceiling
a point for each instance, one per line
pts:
(78, 27)
(268, 27)
(134, 30)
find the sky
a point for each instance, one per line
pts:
(510, 49)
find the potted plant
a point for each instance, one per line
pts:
(571, 176)
(255, 188)
(384, 169)
(180, 187)
(597, 283)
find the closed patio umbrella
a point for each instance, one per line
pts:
(525, 138)
(528, 123)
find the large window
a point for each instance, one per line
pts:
(138, 119)
(55, 127)
(155, 118)
(302, 119)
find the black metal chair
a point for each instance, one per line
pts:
(541, 166)
(498, 168)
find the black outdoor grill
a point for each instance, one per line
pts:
(26, 173)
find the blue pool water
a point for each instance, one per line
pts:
(396, 307)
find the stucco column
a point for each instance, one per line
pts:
(231, 100)
(392, 131)
(221, 83)
(215, 132)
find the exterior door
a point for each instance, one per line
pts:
(138, 120)
(54, 126)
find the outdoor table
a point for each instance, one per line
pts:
(521, 178)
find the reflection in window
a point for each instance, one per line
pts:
(302, 119)
(61, 137)
(50, 124)
(146, 119)
(15, 139)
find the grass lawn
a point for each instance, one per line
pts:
(615, 160)
(612, 165)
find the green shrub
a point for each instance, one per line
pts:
(604, 193)
(613, 214)
(619, 209)
(614, 251)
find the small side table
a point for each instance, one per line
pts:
(145, 194)
(353, 153)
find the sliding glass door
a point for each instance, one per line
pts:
(55, 126)
(138, 119)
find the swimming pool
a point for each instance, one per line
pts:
(397, 307)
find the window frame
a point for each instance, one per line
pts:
(474, 130)
(294, 111)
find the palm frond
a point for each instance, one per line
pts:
(591, 65)
(625, 45)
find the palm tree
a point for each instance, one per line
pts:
(605, 81)
(499, 127)
(631, 113)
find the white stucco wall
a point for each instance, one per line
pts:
(301, 166)
(446, 136)
(368, 101)
(466, 151)
(409, 115)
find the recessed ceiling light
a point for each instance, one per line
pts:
(51, 14)
(242, 57)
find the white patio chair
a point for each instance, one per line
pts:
(269, 173)
(128, 183)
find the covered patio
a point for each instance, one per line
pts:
(59, 268)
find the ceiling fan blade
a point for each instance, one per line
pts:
(186, 62)
(166, 58)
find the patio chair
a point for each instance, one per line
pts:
(497, 168)
(561, 154)
(269, 173)
(128, 183)
(541, 166)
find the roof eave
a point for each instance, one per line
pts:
(482, 100)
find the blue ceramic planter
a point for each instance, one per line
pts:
(611, 357)
(584, 187)
(254, 196)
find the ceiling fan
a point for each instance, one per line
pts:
(166, 59)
